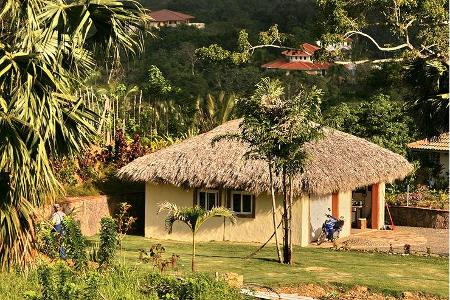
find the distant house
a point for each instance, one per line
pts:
(437, 147)
(169, 18)
(345, 45)
(300, 60)
(198, 172)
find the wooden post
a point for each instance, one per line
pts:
(375, 206)
(335, 204)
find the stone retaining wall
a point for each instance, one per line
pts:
(419, 217)
(89, 210)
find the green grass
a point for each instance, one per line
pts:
(384, 273)
(390, 274)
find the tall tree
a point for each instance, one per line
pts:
(276, 126)
(47, 48)
(414, 32)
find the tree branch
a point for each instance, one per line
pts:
(365, 61)
(405, 45)
(253, 48)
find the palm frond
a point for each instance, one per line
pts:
(47, 49)
(193, 217)
(214, 212)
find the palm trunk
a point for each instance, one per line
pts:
(274, 217)
(193, 251)
(286, 253)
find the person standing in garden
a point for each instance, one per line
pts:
(57, 218)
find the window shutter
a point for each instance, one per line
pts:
(194, 198)
(228, 199)
(219, 199)
(253, 206)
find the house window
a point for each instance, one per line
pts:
(207, 199)
(242, 203)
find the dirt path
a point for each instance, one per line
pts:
(419, 238)
(357, 292)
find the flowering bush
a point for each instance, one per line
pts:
(421, 197)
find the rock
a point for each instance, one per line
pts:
(408, 296)
(361, 289)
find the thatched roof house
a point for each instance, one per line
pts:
(339, 163)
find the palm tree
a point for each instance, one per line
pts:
(194, 218)
(213, 111)
(47, 48)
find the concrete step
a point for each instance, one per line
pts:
(273, 296)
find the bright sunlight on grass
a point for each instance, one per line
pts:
(385, 273)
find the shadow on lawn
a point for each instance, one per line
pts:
(265, 259)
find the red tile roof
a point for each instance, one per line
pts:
(438, 143)
(305, 50)
(309, 48)
(165, 15)
(297, 65)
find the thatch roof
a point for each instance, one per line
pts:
(337, 162)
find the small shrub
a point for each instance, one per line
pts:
(155, 255)
(74, 243)
(60, 282)
(198, 286)
(108, 241)
(421, 196)
(124, 221)
(47, 240)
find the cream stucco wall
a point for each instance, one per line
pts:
(381, 199)
(345, 210)
(319, 207)
(257, 229)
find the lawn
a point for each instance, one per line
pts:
(390, 274)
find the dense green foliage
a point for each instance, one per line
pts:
(47, 48)
(379, 120)
(47, 240)
(59, 282)
(74, 243)
(108, 242)
(197, 286)
(415, 33)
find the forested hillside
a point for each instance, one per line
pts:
(169, 92)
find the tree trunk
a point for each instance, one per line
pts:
(291, 200)
(193, 251)
(274, 217)
(263, 245)
(139, 108)
(286, 252)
